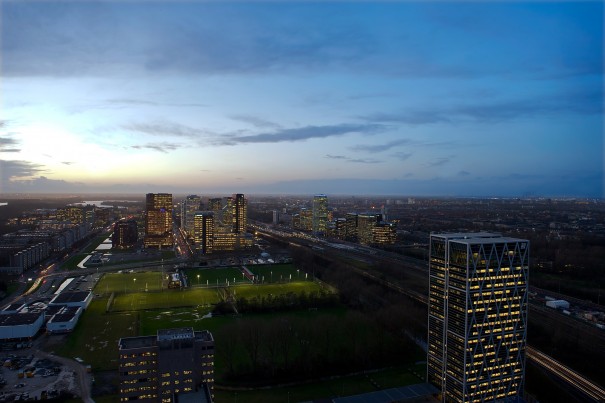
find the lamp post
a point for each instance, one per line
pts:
(271, 275)
(298, 273)
(198, 279)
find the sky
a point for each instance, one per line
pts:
(445, 98)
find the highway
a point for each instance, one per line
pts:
(590, 389)
(575, 380)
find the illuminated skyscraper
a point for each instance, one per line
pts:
(240, 216)
(203, 231)
(477, 322)
(158, 220)
(189, 206)
(320, 213)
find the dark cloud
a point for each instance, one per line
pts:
(439, 162)
(354, 160)
(42, 184)
(256, 121)
(303, 133)
(376, 148)
(402, 156)
(365, 161)
(582, 102)
(19, 169)
(417, 117)
(161, 147)
(165, 129)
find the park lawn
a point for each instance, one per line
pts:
(344, 386)
(169, 298)
(274, 273)
(95, 338)
(125, 282)
(153, 320)
(250, 291)
(215, 276)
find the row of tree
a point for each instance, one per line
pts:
(292, 347)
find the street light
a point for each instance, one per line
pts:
(135, 282)
(198, 279)
(271, 275)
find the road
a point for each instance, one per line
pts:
(572, 378)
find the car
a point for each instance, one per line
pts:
(20, 385)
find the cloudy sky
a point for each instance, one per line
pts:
(438, 98)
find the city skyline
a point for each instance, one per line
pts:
(398, 98)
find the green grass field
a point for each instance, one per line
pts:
(130, 282)
(169, 298)
(277, 273)
(215, 276)
(95, 338)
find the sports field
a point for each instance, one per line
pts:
(169, 298)
(130, 282)
(215, 277)
(250, 291)
(276, 273)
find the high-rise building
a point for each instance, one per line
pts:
(365, 227)
(320, 213)
(240, 216)
(306, 219)
(203, 231)
(351, 226)
(158, 220)
(175, 365)
(189, 206)
(477, 322)
(215, 204)
(125, 234)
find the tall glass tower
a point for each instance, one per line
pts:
(477, 324)
(320, 213)
(158, 220)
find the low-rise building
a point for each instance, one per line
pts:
(172, 366)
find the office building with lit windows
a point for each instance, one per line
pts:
(174, 365)
(240, 213)
(158, 220)
(477, 322)
(203, 231)
(125, 234)
(189, 206)
(320, 213)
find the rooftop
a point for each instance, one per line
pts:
(16, 319)
(67, 297)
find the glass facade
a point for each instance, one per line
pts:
(158, 220)
(477, 316)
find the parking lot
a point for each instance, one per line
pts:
(25, 375)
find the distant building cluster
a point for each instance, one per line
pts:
(366, 228)
(222, 226)
(55, 230)
(174, 365)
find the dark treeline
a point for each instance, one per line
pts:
(373, 332)
(274, 303)
(282, 349)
